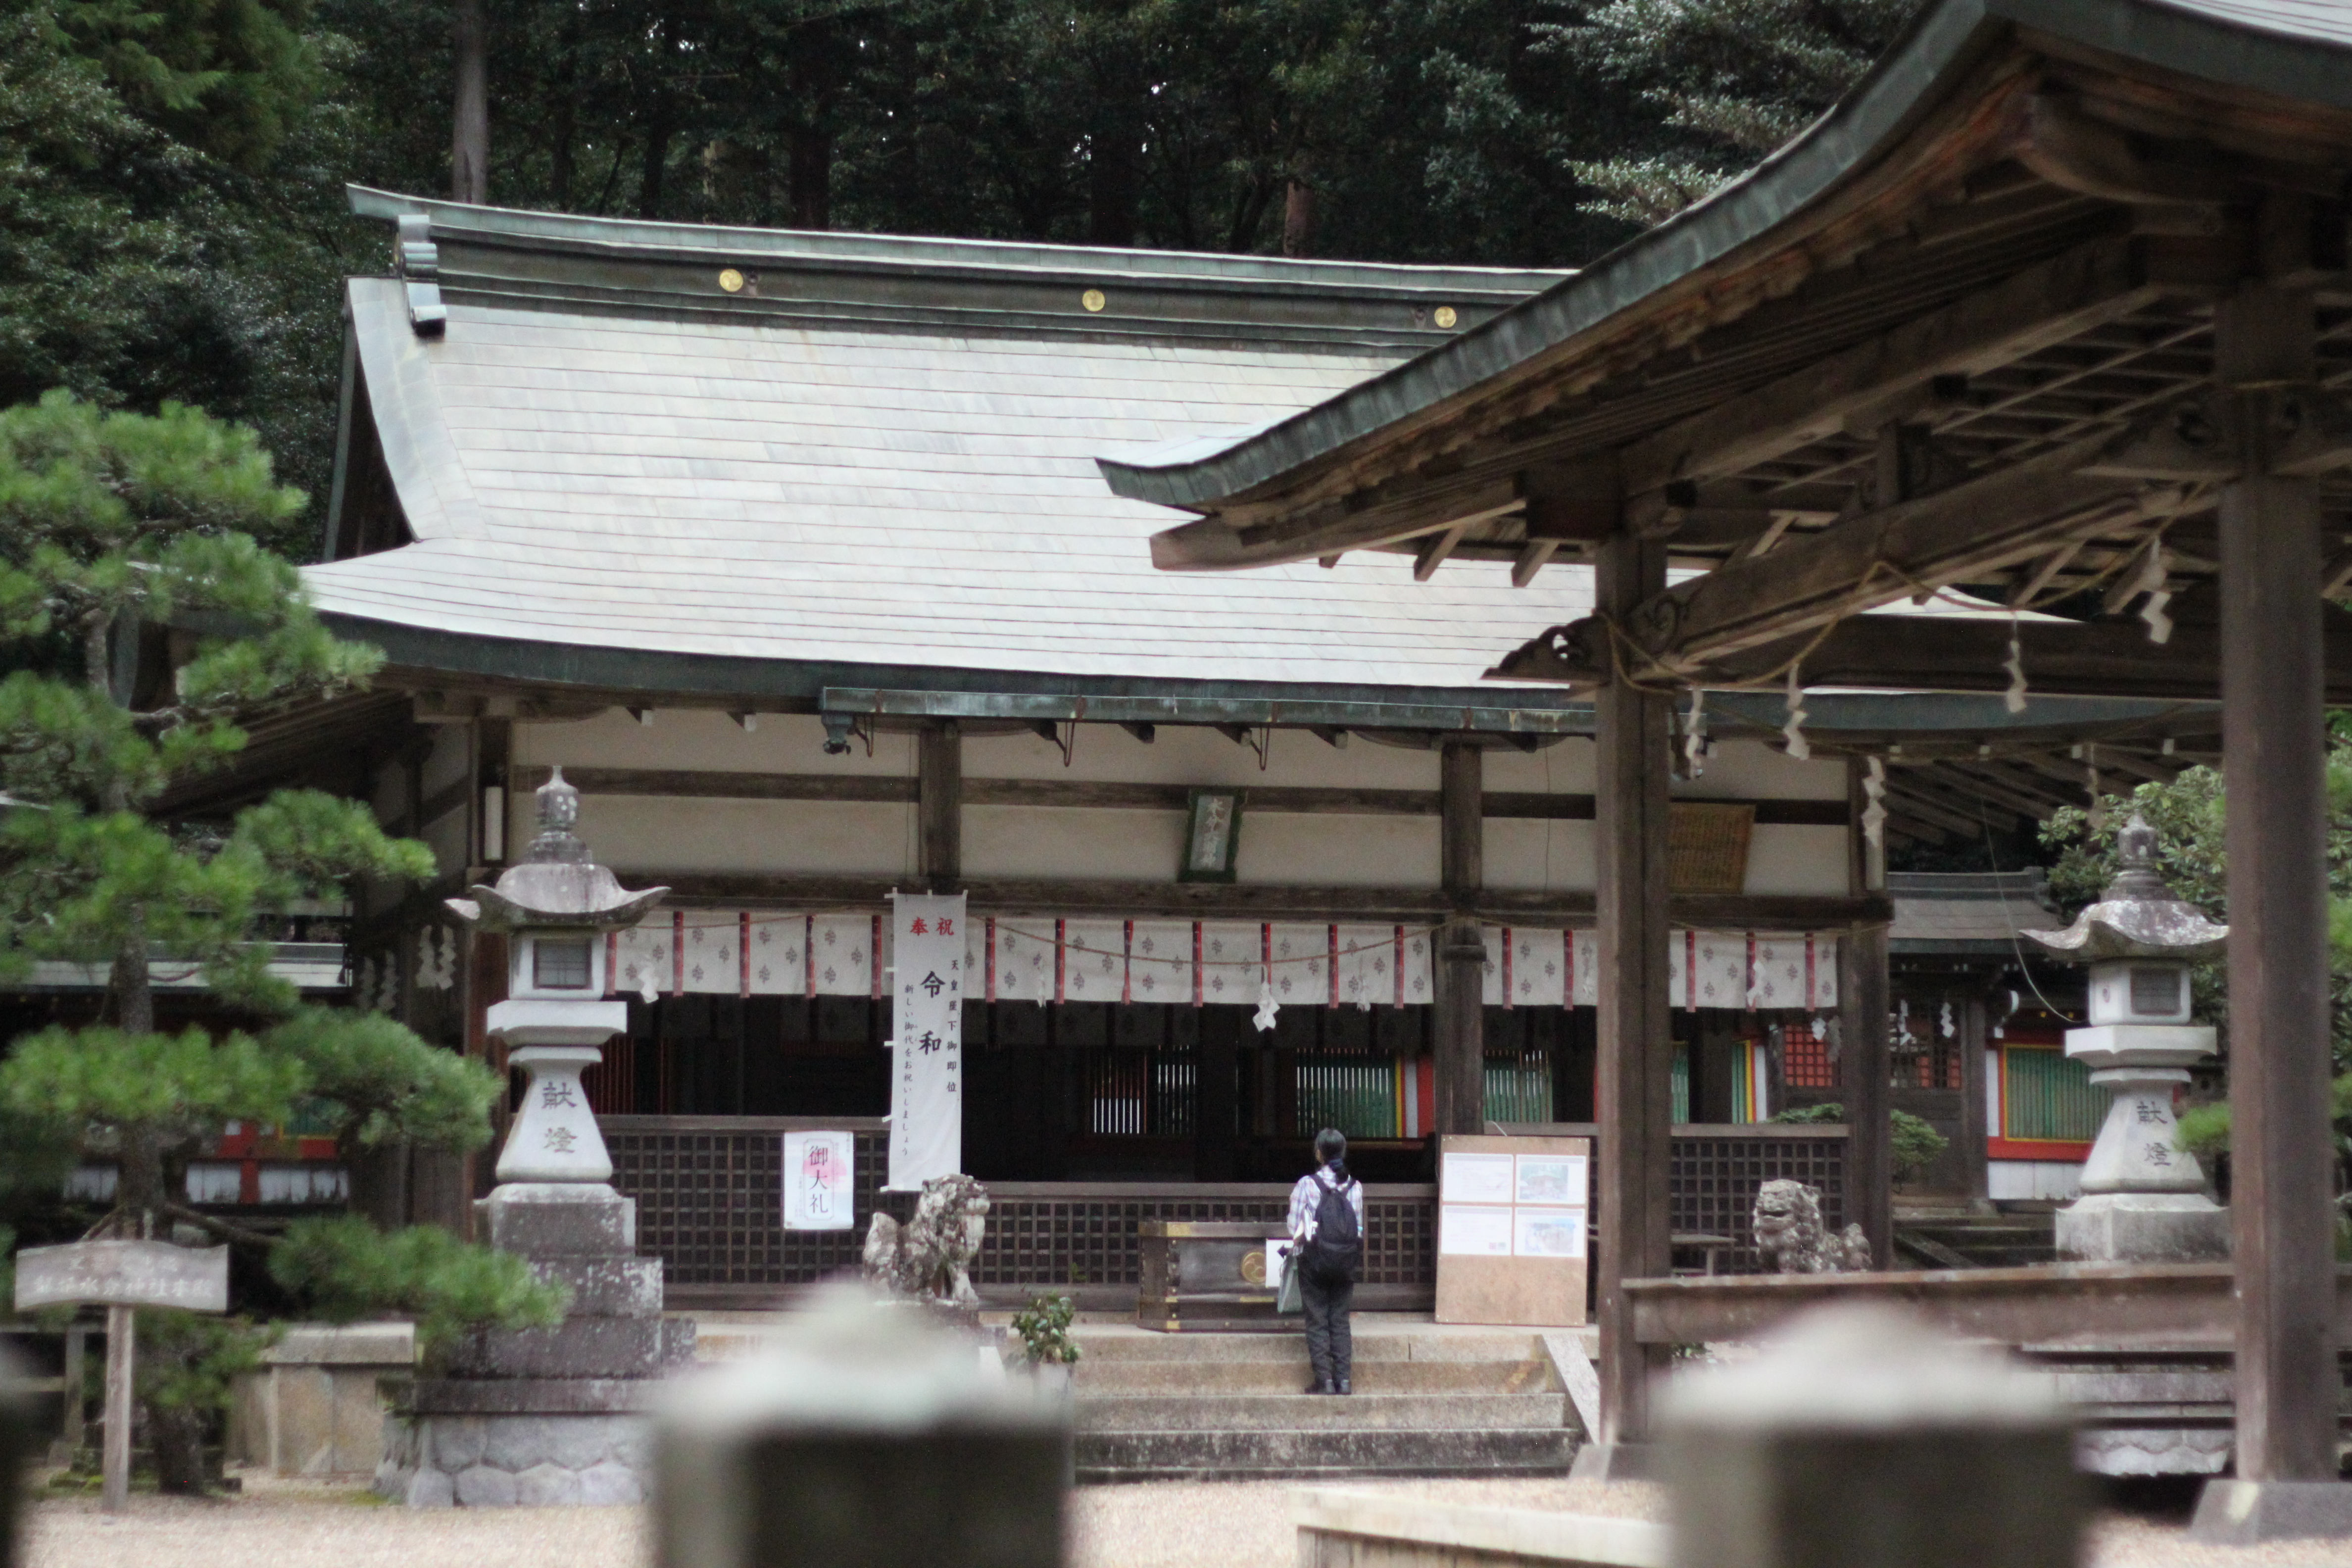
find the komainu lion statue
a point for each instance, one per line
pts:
(1788, 1232)
(930, 1256)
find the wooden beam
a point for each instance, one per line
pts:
(1790, 913)
(2136, 1303)
(1963, 533)
(1112, 795)
(2048, 567)
(2066, 147)
(2044, 304)
(1434, 549)
(1533, 556)
(1220, 544)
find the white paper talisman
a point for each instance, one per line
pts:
(927, 1071)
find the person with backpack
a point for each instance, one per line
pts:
(1327, 1235)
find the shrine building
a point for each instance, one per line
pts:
(791, 551)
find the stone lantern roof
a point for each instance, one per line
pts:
(2138, 916)
(555, 883)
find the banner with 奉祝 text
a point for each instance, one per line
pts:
(927, 1061)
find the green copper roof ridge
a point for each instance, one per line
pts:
(714, 241)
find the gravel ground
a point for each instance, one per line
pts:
(1240, 1524)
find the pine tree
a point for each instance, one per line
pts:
(123, 536)
(1726, 82)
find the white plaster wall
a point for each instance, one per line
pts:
(450, 759)
(1564, 769)
(2020, 1179)
(1792, 859)
(1751, 770)
(1191, 755)
(641, 833)
(1053, 844)
(1300, 849)
(1525, 855)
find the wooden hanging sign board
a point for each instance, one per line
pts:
(1512, 1224)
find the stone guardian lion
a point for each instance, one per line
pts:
(930, 1256)
(1788, 1232)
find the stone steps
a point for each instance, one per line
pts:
(1372, 1376)
(1325, 1455)
(1429, 1401)
(2004, 1241)
(1317, 1413)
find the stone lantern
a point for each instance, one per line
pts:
(555, 907)
(2143, 1197)
(539, 1417)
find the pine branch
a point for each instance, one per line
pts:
(217, 1226)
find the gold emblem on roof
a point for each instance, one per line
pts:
(1092, 299)
(731, 280)
(1445, 316)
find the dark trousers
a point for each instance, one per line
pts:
(1329, 1344)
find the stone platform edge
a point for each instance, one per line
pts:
(1340, 1528)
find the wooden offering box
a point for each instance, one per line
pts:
(1206, 1275)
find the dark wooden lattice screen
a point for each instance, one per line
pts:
(709, 1205)
(709, 1193)
(1060, 1234)
(1714, 1179)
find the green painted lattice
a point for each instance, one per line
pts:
(1355, 1094)
(2048, 1095)
(1519, 1089)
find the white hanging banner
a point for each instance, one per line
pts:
(927, 1071)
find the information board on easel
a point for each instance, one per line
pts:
(1511, 1217)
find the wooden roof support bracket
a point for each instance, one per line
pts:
(1533, 555)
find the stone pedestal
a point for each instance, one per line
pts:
(2143, 1197)
(541, 1416)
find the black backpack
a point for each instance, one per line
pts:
(1339, 1249)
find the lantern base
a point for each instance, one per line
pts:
(2144, 1227)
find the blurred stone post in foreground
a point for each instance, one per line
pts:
(15, 1449)
(867, 1437)
(1857, 1438)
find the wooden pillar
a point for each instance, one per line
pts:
(938, 797)
(1865, 1065)
(1865, 1073)
(1461, 1033)
(1973, 1031)
(1636, 1109)
(2273, 732)
(114, 1464)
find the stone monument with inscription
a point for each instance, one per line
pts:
(2143, 1195)
(537, 1417)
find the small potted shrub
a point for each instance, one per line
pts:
(1043, 1326)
